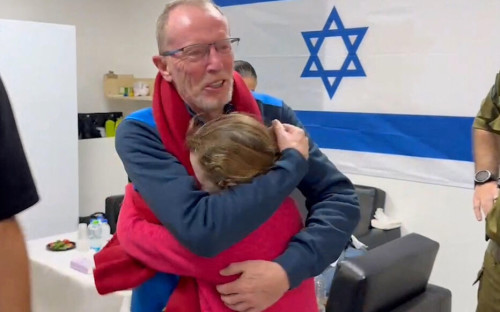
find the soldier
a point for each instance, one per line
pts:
(486, 131)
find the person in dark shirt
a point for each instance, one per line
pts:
(247, 72)
(17, 193)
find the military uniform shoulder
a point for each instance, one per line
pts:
(496, 87)
(488, 117)
(266, 99)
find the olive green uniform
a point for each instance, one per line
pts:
(488, 119)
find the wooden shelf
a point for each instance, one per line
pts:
(113, 82)
(129, 98)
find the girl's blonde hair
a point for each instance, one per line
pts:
(233, 148)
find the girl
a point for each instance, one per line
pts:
(227, 151)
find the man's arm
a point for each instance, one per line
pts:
(162, 252)
(165, 254)
(17, 192)
(486, 153)
(14, 272)
(333, 215)
(486, 130)
(485, 158)
(200, 221)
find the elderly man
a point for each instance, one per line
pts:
(195, 64)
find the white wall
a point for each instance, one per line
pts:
(101, 174)
(38, 67)
(114, 35)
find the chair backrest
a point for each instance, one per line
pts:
(370, 198)
(113, 204)
(384, 277)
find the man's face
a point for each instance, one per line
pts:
(251, 82)
(206, 84)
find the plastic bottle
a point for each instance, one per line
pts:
(82, 242)
(95, 234)
(106, 231)
(118, 122)
(110, 128)
(321, 295)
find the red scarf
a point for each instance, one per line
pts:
(172, 120)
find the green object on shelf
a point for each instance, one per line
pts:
(110, 128)
(117, 123)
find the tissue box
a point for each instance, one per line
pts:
(81, 264)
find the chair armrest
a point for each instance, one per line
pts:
(370, 198)
(434, 299)
(400, 269)
(376, 237)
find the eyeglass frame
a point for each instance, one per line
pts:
(208, 45)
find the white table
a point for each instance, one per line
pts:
(56, 287)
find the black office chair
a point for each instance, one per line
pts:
(392, 277)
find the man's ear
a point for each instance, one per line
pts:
(228, 182)
(161, 63)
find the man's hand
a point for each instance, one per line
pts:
(485, 196)
(260, 285)
(289, 136)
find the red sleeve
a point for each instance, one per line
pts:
(153, 245)
(156, 247)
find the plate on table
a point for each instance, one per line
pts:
(61, 245)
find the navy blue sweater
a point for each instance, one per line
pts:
(208, 224)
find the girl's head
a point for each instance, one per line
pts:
(230, 150)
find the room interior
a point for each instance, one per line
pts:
(119, 36)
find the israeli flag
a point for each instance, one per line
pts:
(386, 88)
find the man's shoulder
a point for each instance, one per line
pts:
(488, 117)
(137, 127)
(144, 115)
(270, 106)
(266, 99)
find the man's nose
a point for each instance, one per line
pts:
(214, 59)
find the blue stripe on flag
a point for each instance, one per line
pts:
(223, 3)
(442, 137)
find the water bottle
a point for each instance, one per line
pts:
(82, 242)
(321, 294)
(95, 234)
(106, 231)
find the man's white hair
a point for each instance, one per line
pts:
(161, 29)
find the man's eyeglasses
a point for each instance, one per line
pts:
(199, 51)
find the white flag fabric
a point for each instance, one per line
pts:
(386, 88)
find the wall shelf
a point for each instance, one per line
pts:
(129, 98)
(113, 82)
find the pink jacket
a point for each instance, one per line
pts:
(154, 246)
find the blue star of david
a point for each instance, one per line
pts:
(350, 68)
